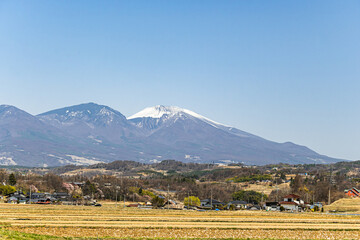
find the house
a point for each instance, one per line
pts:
(40, 195)
(254, 207)
(353, 192)
(318, 205)
(272, 206)
(40, 201)
(61, 196)
(292, 202)
(210, 203)
(41, 198)
(17, 197)
(238, 204)
(170, 204)
(12, 200)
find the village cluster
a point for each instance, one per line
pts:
(197, 187)
(291, 202)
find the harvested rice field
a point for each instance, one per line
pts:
(109, 221)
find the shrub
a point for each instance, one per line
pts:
(141, 192)
(250, 196)
(192, 201)
(157, 202)
(232, 207)
(7, 189)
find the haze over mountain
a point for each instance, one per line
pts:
(92, 121)
(91, 133)
(25, 140)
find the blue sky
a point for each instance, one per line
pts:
(284, 70)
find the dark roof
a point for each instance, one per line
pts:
(271, 203)
(60, 194)
(38, 194)
(209, 200)
(288, 203)
(17, 195)
(292, 196)
(237, 202)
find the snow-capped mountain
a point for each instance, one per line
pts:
(90, 120)
(197, 138)
(91, 133)
(152, 117)
(161, 111)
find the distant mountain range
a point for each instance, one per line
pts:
(91, 133)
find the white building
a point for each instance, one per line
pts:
(292, 202)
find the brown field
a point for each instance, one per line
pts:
(111, 222)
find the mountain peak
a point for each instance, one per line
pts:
(160, 111)
(157, 112)
(87, 108)
(7, 111)
(4, 107)
(87, 112)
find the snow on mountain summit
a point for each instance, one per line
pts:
(160, 111)
(157, 112)
(153, 112)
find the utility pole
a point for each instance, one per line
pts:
(211, 197)
(134, 192)
(191, 202)
(116, 193)
(330, 180)
(30, 195)
(168, 197)
(313, 197)
(188, 200)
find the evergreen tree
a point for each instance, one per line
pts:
(12, 179)
(89, 188)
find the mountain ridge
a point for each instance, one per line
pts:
(90, 133)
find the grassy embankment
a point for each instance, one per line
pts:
(349, 205)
